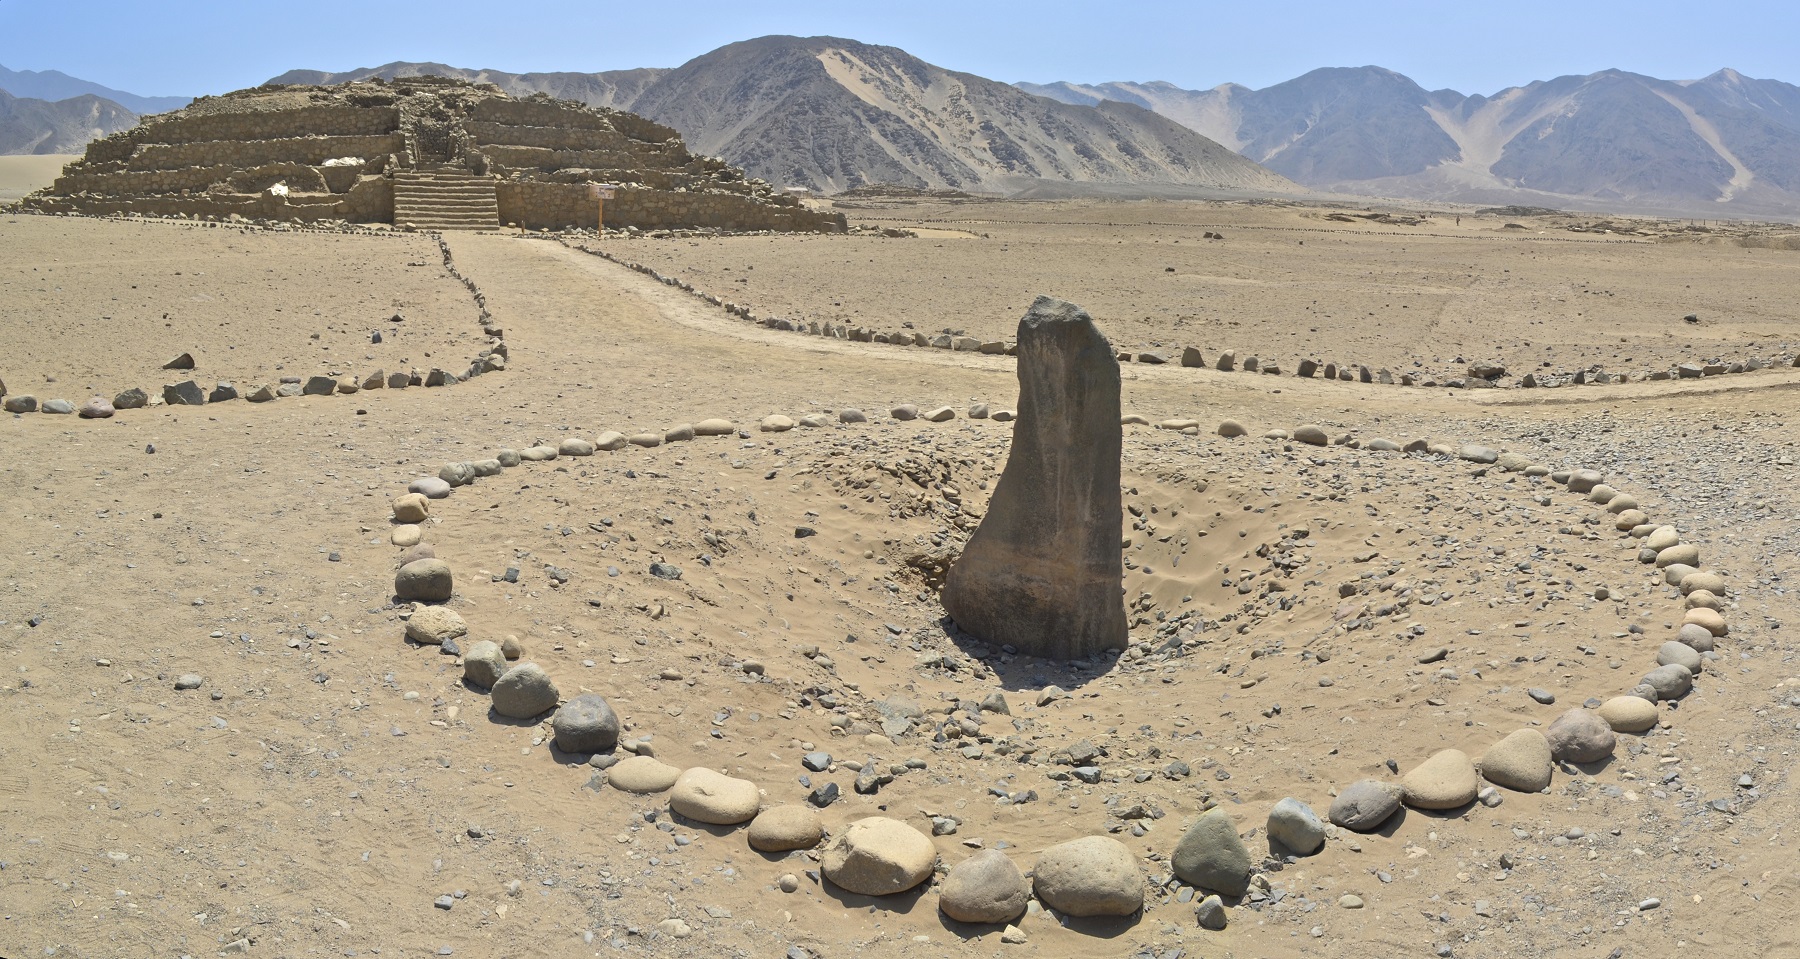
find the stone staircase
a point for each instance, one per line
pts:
(444, 199)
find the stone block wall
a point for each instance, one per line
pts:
(324, 120)
(538, 205)
(317, 149)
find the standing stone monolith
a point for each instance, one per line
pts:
(1042, 572)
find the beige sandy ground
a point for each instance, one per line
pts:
(20, 175)
(342, 781)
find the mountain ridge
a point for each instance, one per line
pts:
(32, 126)
(828, 114)
(54, 85)
(1722, 144)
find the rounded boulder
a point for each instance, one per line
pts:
(708, 796)
(1364, 805)
(484, 664)
(1211, 856)
(424, 580)
(1522, 761)
(1295, 826)
(1628, 714)
(1444, 781)
(433, 625)
(1092, 876)
(1708, 619)
(1580, 736)
(879, 856)
(642, 775)
(785, 828)
(585, 724)
(524, 692)
(1311, 435)
(986, 888)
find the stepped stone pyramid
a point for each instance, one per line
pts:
(426, 153)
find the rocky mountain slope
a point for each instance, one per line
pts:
(830, 114)
(1724, 145)
(34, 126)
(56, 85)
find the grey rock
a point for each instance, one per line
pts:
(586, 724)
(222, 392)
(319, 386)
(1580, 736)
(986, 888)
(59, 407)
(1092, 876)
(1670, 682)
(96, 409)
(484, 664)
(1364, 805)
(1311, 435)
(131, 399)
(1294, 824)
(424, 580)
(457, 474)
(524, 692)
(189, 681)
(1210, 913)
(430, 487)
(1212, 857)
(183, 362)
(1042, 571)
(184, 393)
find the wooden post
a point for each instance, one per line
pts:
(601, 192)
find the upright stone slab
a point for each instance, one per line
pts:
(1042, 572)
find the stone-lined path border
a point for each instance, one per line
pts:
(1478, 375)
(492, 359)
(1210, 857)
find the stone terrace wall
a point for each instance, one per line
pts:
(370, 200)
(553, 205)
(324, 120)
(318, 149)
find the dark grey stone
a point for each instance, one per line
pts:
(586, 724)
(184, 393)
(1042, 571)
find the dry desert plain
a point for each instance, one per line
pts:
(1304, 617)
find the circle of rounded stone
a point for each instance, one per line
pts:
(1698, 638)
(484, 664)
(984, 888)
(524, 692)
(714, 427)
(424, 580)
(1685, 554)
(1682, 653)
(1091, 876)
(1702, 580)
(1628, 714)
(1294, 824)
(412, 508)
(879, 856)
(786, 828)
(1710, 619)
(1670, 682)
(611, 441)
(575, 446)
(642, 775)
(1364, 805)
(1231, 429)
(1584, 481)
(1311, 434)
(1521, 761)
(709, 796)
(1445, 780)
(433, 625)
(1580, 736)
(776, 423)
(586, 724)
(430, 487)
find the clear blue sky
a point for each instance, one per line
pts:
(191, 47)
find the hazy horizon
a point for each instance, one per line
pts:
(222, 47)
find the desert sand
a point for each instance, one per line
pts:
(20, 175)
(1303, 616)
